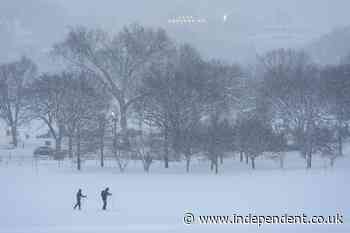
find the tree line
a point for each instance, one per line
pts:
(139, 95)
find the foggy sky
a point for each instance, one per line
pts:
(318, 14)
(252, 25)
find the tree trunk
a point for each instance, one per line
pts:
(58, 140)
(309, 143)
(211, 165)
(78, 151)
(102, 141)
(166, 150)
(340, 142)
(146, 168)
(147, 161)
(166, 161)
(216, 165)
(123, 121)
(221, 159)
(102, 155)
(241, 156)
(281, 160)
(308, 160)
(57, 136)
(246, 159)
(14, 135)
(253, 162)
(188, 161)
(58, 143)
(70, 146)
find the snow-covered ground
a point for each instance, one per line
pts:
(39, 199)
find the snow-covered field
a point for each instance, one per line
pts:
(40, 200)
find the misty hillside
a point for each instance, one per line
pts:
(331, 48)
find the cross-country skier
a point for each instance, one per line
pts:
(79, 197)
(104, 195)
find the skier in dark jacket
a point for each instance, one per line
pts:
(104, 195)
(79, 196)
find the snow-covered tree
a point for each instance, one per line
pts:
(118, 61)
(14, 78)
(335, 86)
(291, 86)
(82, 108)
(46, 100)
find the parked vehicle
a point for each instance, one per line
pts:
(60, 155)
(44, 151)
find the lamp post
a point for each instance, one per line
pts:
(114, 127)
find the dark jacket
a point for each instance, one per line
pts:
(105, 194)
(80, 195)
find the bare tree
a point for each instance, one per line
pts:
(156, 109)
(255, 136)
(117, 61)
(335, 88)
(216, 140)
(14, 78)
(326, 143)
(175, 104)
(102, 128)
(222, 93)
(148, 148)
(278, 146)
(46, 97)
(291, 86)
(83, 105)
